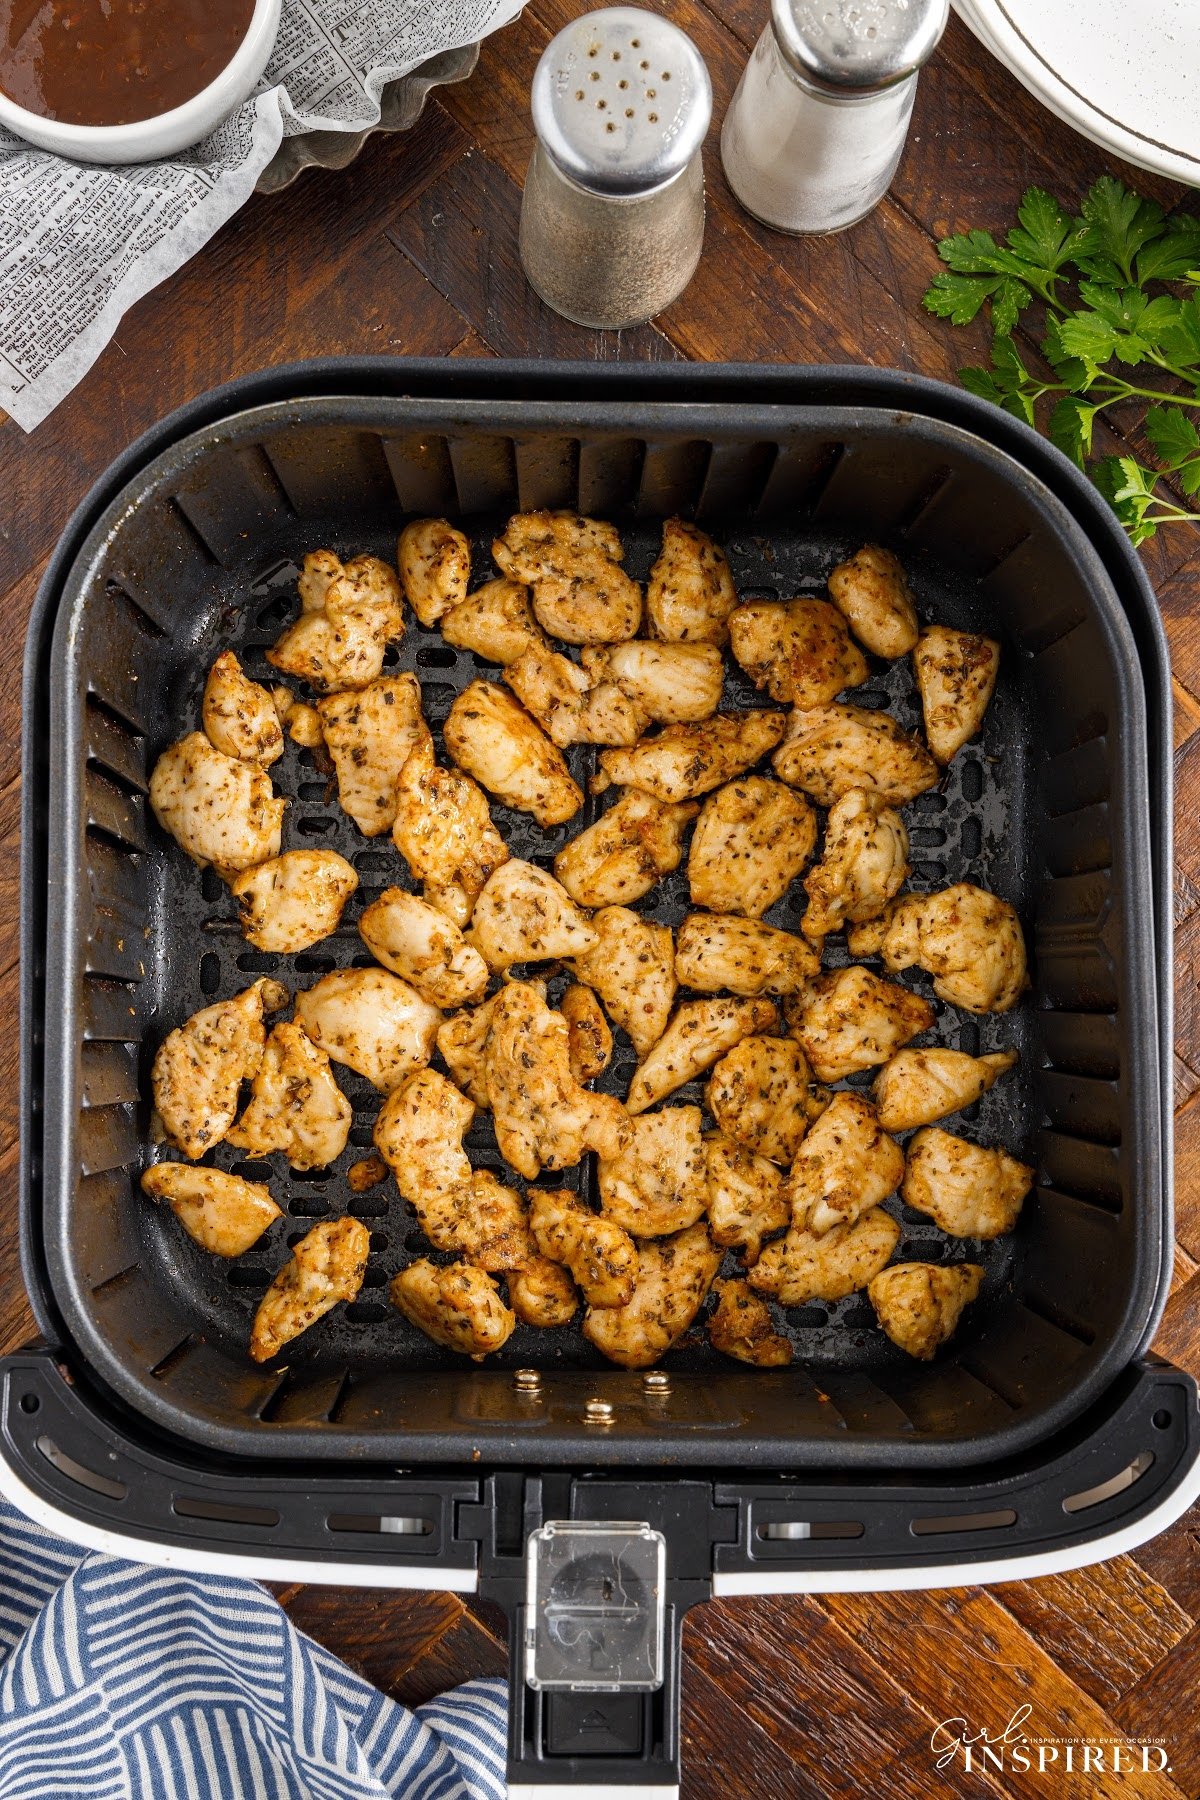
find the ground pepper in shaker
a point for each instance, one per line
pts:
(815, 130)
(612, 217)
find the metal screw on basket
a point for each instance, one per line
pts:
(599, 1412)
(817, 125)
(656, 1384)
(612, 217)
(527, 1381)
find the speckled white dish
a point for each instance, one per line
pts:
(1125, 73)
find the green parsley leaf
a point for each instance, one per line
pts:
(1045, 233)
(1121, 223)
(1173, 435)
(959, 297)
(978, 253)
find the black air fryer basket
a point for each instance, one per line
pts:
(1040, 1437)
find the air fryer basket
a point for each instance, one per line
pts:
(1050, 809)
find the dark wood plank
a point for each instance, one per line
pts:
(1173, 1559)
(1107, 1627)
(1161, 1705)
(381, 1632)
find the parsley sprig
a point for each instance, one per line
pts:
(1115, 297)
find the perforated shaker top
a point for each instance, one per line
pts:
(621, 100)
(858, 45)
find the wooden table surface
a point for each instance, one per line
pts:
(413, 251)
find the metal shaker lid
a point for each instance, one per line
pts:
(621, 100)
(858, 45)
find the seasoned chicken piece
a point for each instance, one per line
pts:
(684, 761)
(462, 1041)
(752, 839)
(458, 1306)
(542, 1293)
(675, 684)
(802, 1266)
(626, 852)
(571, 706)
(830, 749)
(366, 1174)
(415, 940)
(758, 1095)
(864, 862)
(956, 678)
(220, 1212)
(543, 1117)
(304, 725)
(742, 1327)
(746, 1201)
(601, 1256)
(218, 810)
(846, 1165)
(918, 1086)
(799, 650)
(690, 593)
(969, 941)
(434, 561)
(715, 951)
(371, 1021)
(203, 1062)
(658, 1183)
(370, 734)
(852, 1020)
(327, 1265)
(873, 592)
(496, 622)
(419, 1134)
(673, 1278)
(632, 968)
(296, 1106)
(573, 566)
(482, 1220)
(494, 739)
(698, 1035)
(590, 1040)
(293, 901)
(239, 716)
(524, 915)
(919, 1304)
(443, 830)
(349, 615)
(966, 1190)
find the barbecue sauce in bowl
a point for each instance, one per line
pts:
(115, 62)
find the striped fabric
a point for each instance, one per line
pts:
(122, 1682)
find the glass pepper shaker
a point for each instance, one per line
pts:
(815, 130)
(612, 216)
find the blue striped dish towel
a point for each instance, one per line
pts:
(123, 1682)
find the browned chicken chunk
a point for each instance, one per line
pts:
(626, 852)
(700, 1033)
(327, 1265)
(919, 1304)
(543, 1294)
(847, 1165)
(496, 622)
(370, 734)
(372, 1021)
(830, 749)
(419, 1134)
(719, 951)
(966, 1190)
(590, 1040)
(746, 1201)
(674, 684)
(201, 1065)
(218, 809)
(573, 568)
(758, 1095)
(803, 1266)
(599, 1253)
(852, 1020)
(494, 739)
(673, 1278)
(657, 1183)
(293, 901)
(919, 1086)
(295, 1106)
(543, 1117)
(752, 839)
(350, 613)
(434, 561)
(864, 862)
(690, 594)
(457, 1305)
(799, 650)
(416, 941)
(220, 1212)
(632, 968)
(873, 592)
(443, 830)
(970, 941)
(684, 761)
(569, 705)
(525, 915)
(742, 1327)
(956, 678)
(239, 716)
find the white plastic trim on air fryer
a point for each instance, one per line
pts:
(559, 1790)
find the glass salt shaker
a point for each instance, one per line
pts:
(612, 217)
(815, 130)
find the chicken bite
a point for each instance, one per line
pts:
(632, 968)
(295, 1105)
(370, 734)
(462, 1041)
(684, 761)
(758, 1094)
(443, 830)
(600, 1254)
(918, 1086)
(752, 839)
(830, 749)
(573, 567)
(746, 1200)
(434, 561)
(293, 901)
(871, 589)
(970, 941)
(673, 1278)
(543, 1117)
(416, 941)
(742, 1327)
(852, 1020)
(326, 1266)
(698, 1035)
(690, 593)
(483, 1220)
(350, 613)
(965, 1189)
(719, 951)
(803, 1266)
(956, 678)
(799, 650)
(220, 1212)
(458, 1306)
(674, 684)
(569, 705)
(591, 1043)
(845, 1166)
(543, 1294)
(240, 717)
(218, 809)
(496, 622)
(419, 1135)
(919, 1304)
(201, 1065)
(525, 915)
(372, 1021)
(657, 1184)
(864, 862)
(494, 739)
(626, 852)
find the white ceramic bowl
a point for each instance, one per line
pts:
(148, 140)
